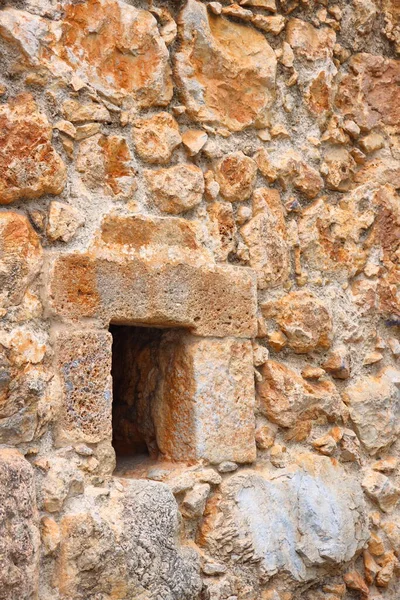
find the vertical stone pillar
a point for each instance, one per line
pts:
(205, 402)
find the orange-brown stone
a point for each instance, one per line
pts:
(225, 70)
(29, 165)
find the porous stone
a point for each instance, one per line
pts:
(177, 189)
(156, 138)
(103, 536)
(368, 94)
(84, 365)
(105, 163)
(225, 70)
(127, 59)
(308, 42)
(19, 527)
(213, 300)
(304, 320)
(29, 165)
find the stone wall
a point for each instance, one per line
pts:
(227, 174)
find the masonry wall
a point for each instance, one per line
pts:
(227, 174)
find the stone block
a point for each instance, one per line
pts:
(19, 528)
(205, 403)
(84, 367)
(211, 300)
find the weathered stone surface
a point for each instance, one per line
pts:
(308, 42)
(210, 414)
(177, 189)
(225, 70)
(112, 45)
(284, 397)
(84, 365)
(304, 320)
(156, 138)
(312, 504)
(236, 175)
(369, 94)
(332, 238)
(212, 300)
(62, 480)
(29, 165)
(223, 228)
(380, 489)
(289, 168)
(20, 257)
(266, 237)
(19, 528)
(106, 164)
(374, 403)
(124, 543)
(63, 222)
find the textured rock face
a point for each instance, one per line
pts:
(226, 70)
(285, 397)
(29, 165)
(199, 300)
(115, 47)
(125, 542)
(19, 525)
(215, 421)
(304, 518)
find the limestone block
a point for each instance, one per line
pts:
(205, 403)
(156, 138)
(177, 189)
(236, 175)
(106, 164)
(20, 257)
(84, 367)
(63, 222)
(308, 42)
(124, 544)
(304, 319)
(374, 403)
(113, 46)
(225, 70)
(285, 397)
(304, 517)
(19, 528)
(266, 236)
(29, 165)
(212, 300)
(369, 93)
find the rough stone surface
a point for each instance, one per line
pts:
(19, 526)
(156, 138)
(374, 405)
(226, 70)
(285, 397)
(302, 504)
(213, 416)
(125, 541)
(199, 300)
(20, 257)
(29, 165)
(266, 237)
(177, 189)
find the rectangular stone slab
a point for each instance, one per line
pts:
(210, 300)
